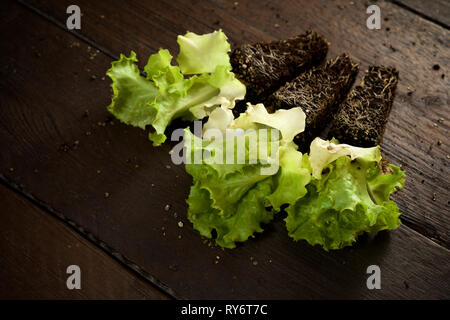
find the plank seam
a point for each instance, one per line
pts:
(420, 14)
(117, 256)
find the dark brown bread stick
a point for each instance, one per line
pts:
(264, 67)
(362, 118)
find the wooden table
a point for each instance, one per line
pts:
(61, 152)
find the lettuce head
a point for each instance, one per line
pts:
(347, 196)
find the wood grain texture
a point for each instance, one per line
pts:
(417, 131)
(36, 250)
(68, 159)
(437, 11)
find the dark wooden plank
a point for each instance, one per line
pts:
(419, 119)
(122, 28)
(437, 11)
(37, 249)
(43, 103)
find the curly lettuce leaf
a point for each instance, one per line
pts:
(231, 198)
(350, 197)
(202, 53)
(132, 93)
(291, 180)
(226, 198)
(289, 122)
(166, 93)
(249, 214)
(226, 182)
(323, 152)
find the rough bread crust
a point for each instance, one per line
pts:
(362, 118)
(264, 67)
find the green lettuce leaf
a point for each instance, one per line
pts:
(291, 180)
(331, 196)
(234, 199)
(323, 152)
(166, 93)
(245, 221)
(202, 53)
(348, 195)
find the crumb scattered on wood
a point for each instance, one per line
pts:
(107, 194)
(64, 147)
(173, 267)
(167, 206)
(410, 91)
